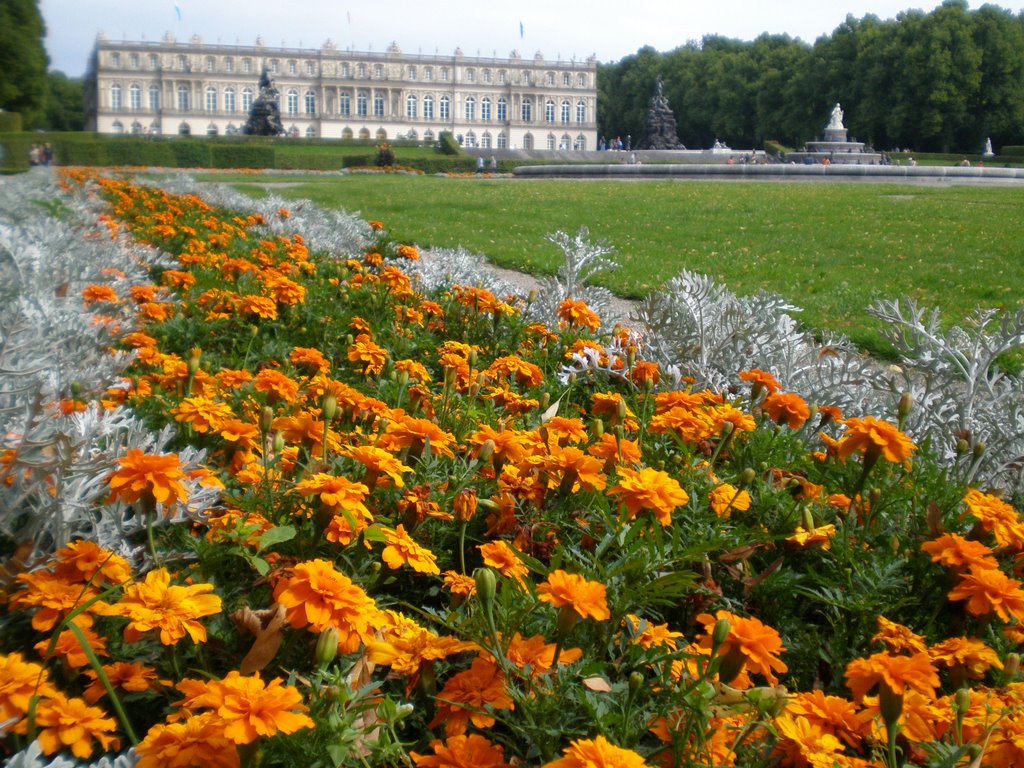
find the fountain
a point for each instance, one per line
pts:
(835, 148)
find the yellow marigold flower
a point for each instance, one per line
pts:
(260, 306)
(648, 635)
(575, 313)
(377, 462)
(505, 560)
(54, 595)
(72, 724)
(875, 438)
(202, 414)
(513, 368)
(401, 550)
(69, 649)
(316, 596)
(587, 598)
(997, 517)
(467, 695)
(750, 643)
(898, 673)
(311, 357)
(821, 536)
(20, 680)
(725, 498)
(83, 560)
(368, 357)
(196, 740)
(650, 489)
(472, 751)
(954, 551)
(786, 408)
(459, 584)
(172, 609)
(833, 714)
(989, 590)
(140, 475)
(804, 742)
(968, 654)
(597, 752)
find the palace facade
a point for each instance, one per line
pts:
(173, 88)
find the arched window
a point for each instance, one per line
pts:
(502, 142)
(445, 108)
(292, 102)
(382, 135)
(361, 99)
(549, 111)
(184, 129)
(311, 132)
(136, 127)
(528, 111)
(364, 133)
(428, 135)
(310, 102)
(470, 139)
(470, 109)
(411, 105)
(184, 93)
(428, 107)
(502, 110)
(211, 130)
(566, 110)
(378, 103)
(580, 144)
(154, 128)
(231, 130)
(118, 127)
(565, 142)
(134, 97)
(345, 103)
(485, 109)
(485, 139)
(229, 99)
(581, 111)
(154, 97)
(115, 97)
(551, 141)
(346, 133)
(211, 99)
(528, 141)
(412, 135)
(246, 100)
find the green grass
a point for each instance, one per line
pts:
(828, 248)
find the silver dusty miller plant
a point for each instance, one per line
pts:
(582, 261)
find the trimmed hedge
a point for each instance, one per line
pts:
(242, 156)
(1015, 151)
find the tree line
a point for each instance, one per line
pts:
(942, 81)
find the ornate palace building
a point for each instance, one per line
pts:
(171, 88)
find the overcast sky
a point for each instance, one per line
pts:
(557, 28)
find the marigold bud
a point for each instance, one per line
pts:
(486, 585)
(329, 407)
(465, 504)
(278, 442)
(720, 633)
(597, 428)
(979, 450)
(486, 451)
(326, 647)
(747, 476)
(962, 700)
(636, 681)
(1011, 665)
(905, 406)
(193, 360)
(266, 419)
(962, 446)
(808, 519)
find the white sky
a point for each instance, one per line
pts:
(557, 28)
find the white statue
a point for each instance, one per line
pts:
(988, 148)
(836, 118)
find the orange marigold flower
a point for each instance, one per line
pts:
(337, 494)
(650, 489)
(645, 372)
(83, 560)
(897, 673)
(750, 644)
(786, 408)
(54, 595)
(576, 314)
(587, 598)
(472, 751)
(537, 655)
(898, 638)
(648, 635)
(368, 357)
(833, 714)
(615, 452)
(71, 723)
(691, 425)
(570, 469)
(377, 462)
(989, 590)
(466, 695)
(875, 438)
(803, 742)
(202, 414)
(725, 498)
(597, 752)
(260, 306)
(196, 740)
(954, 551)
(511, 367)
(69, 649)
(969, 654)
(131, 676)
(250, 708)
(761, 379)
(143, 475)
(820, 536)
(410, 252)
(996, 517)
(316, 595)
(459, 584)
(406, 646)
(310, 356)
(20, 680)
(276, 385)
(173, 609)
(409, 432)
(94, 294)
(402, 550)
(505, 560)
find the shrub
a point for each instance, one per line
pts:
(242, 156)
(448, 144)
(191, 153)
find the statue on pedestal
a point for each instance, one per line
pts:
(660, 127)
(265, 114)
(836, 118)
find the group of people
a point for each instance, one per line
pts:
(616, 144)
(40, 154)
(480, 164)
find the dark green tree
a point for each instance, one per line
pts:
(65, 103)
(23, 60)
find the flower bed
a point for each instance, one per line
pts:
(326, 513)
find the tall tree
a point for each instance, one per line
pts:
(23, 60)
(65, 103)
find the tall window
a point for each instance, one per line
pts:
(566, 79)
(445, 108)
(310, 102)
(581, 111)
(428, 73)
(211, 99)
(428, 107)
(153, 61)
(410, 73)
(502, 110)
(566, 110)
(115, 96)
(133, 62)
(485, 109)
(580, 144)
(229, 99)
(470, 109)
(247, 65)
(361, 70)
(229, 64)
(247, 100)
(182, 63)
(502, 142)
(154, 97)
(274, 66)
(378, 72)
(502, 77)
(344, 104)
(410, 106)
(345, 70)
(134, 97)
(292, 102)
(581, 80)
(527, 110)
(528, 141)
(550, 78)
(310, 68)
(293, 68)
(470, 139)
(551, 141)
(211, 64)
(549, 111)
(115, 61)
(378, 103)
(444, 74)
(470, 75)
(361, 103)
(485, 140)
(486, 77)
(183, 97)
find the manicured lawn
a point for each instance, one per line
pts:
(830, 248)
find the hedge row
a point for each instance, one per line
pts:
(80, 148)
